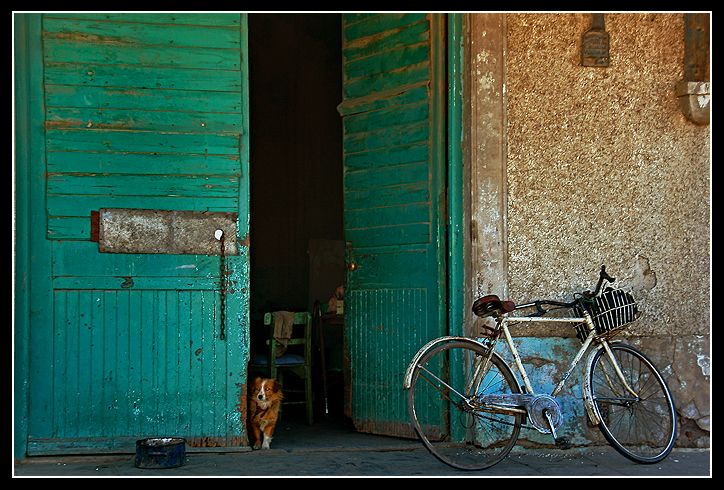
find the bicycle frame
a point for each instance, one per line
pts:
(481, 364)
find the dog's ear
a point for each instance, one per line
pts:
(276, 386)
(257, 381)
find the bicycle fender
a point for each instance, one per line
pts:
(587, 390)
(587, 393)
(423, 350)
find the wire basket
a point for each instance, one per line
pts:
(610, 312)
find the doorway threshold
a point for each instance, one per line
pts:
(333, 434)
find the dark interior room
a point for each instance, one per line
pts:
(297, 247)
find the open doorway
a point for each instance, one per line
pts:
(296, 196)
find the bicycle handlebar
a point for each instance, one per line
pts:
(539, 303)
(548, 302)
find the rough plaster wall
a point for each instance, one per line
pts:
(602, 168)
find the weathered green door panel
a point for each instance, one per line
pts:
(214, 20)
(143, 99)
(145, 32)
(394, 161)
(63, 48)
(137, 362)
(145, 111)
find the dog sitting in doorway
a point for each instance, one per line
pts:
(264, 406)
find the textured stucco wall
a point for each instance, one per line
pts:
(603, 168)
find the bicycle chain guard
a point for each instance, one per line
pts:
(535, 405)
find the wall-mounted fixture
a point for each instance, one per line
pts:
(693, 91)
(595, 43)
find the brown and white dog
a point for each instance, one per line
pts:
(264, 404)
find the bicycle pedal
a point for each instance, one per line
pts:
(563, 443)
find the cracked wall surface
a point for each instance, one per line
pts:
(601, 167)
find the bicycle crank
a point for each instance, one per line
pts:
(543, 411)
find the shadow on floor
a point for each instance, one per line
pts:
(333, 432)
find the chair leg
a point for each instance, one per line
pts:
(308, 397)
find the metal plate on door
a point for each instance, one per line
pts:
(143, 231)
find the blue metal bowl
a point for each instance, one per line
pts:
(160, 452)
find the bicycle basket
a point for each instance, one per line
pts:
(610, 312)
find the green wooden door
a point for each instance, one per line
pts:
(394, 162)
(134, 112)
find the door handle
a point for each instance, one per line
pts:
(352, 266)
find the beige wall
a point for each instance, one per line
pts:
(596, 166)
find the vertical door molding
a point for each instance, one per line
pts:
(457, 177)
(34, 306)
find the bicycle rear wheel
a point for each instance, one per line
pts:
(643, 429)
(450, 428)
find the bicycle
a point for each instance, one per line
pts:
(471, 409)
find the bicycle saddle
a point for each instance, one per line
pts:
(488, 305)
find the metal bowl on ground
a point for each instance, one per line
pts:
(160, 452)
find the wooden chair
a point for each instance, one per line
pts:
(297, 358)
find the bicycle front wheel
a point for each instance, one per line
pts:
(442, 403)
(642, 427)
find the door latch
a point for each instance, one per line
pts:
(219, 235)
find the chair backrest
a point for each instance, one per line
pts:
(299, 364)
(304, 338)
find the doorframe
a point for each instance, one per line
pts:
(458, 259)
(21, 151)
(32, 293)
(485, 158)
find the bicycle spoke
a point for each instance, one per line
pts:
(642, 428)
(462, 397)
(445, 409)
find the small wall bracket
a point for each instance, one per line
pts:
(595, 43)
(694, 92)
